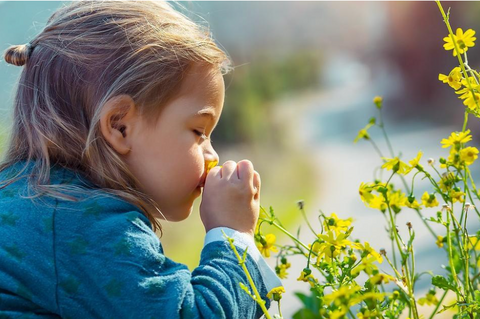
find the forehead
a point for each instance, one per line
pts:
(202, 92)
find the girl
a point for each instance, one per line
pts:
(112, 119)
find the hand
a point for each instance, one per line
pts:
(231, 197)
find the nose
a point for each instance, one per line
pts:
(210, 154)
(211, 160)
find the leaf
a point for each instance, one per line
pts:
(312, 302)
(305, 314)
(445, 308)
(244, 257)
(442, 283)
(477, 296)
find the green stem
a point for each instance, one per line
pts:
(258, 298)
(308, 223)
(382, 126)
(376, 147)
(286, 232)
(450, 257)
(413, 304)
(447, 23)
(438, 305)
(418, 210)
(310, 252)
(465, 121)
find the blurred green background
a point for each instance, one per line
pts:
(305, 75)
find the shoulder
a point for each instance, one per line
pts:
(98, 207)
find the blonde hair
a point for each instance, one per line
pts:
(88, 53)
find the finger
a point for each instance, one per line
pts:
(213, 174)
(245, 171)
(229, 168)
(257, 184)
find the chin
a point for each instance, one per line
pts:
(179, 215)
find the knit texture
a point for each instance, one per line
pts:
(99, 258)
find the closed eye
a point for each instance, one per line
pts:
(201, 134)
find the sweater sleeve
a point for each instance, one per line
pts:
(115, 268)
(245, 241)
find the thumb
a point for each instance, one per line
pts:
(257, 184)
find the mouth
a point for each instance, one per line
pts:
(202, 181)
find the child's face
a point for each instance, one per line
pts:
(169, 158)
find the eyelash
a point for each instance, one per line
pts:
(202, 135)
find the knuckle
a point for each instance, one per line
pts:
(246, 163)
(229, 163)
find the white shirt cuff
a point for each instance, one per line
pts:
(243, 241)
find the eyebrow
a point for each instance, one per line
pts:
(208, 112)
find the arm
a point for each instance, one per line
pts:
(115, 268)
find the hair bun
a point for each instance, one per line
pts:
(18, 54)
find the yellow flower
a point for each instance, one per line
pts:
(378, 100)
(456, 138)
(307, 278)
(209, 165)
(276, 293)
(396, 165)
(381, 279)
(413, 204)
(333, 246)
(453, 159)
(338, 313)
(469, 155)
(365, 192)
(454, 79)
(281, 270)
(463, 40)
(343, 293)
(468, 83)
(474, 243)
(369, 251)
(367, 265)
(429, 299)
(368, 314)
(447, 182)
(414, 162)
(429, 200)
(374, 296)
(456, 196)
(378, 202)
(439, 241)
(471, 100)
(363, 133)
(266, 245)
(397, 200)
(336, 224)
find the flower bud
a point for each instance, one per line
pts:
(442, 160)
(378, 100)
(300, 204)
(395, 294)
(307, 271)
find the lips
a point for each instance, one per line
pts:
(202, 181)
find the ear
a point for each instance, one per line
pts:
(116, 122)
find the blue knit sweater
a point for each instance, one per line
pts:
(99, 258)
